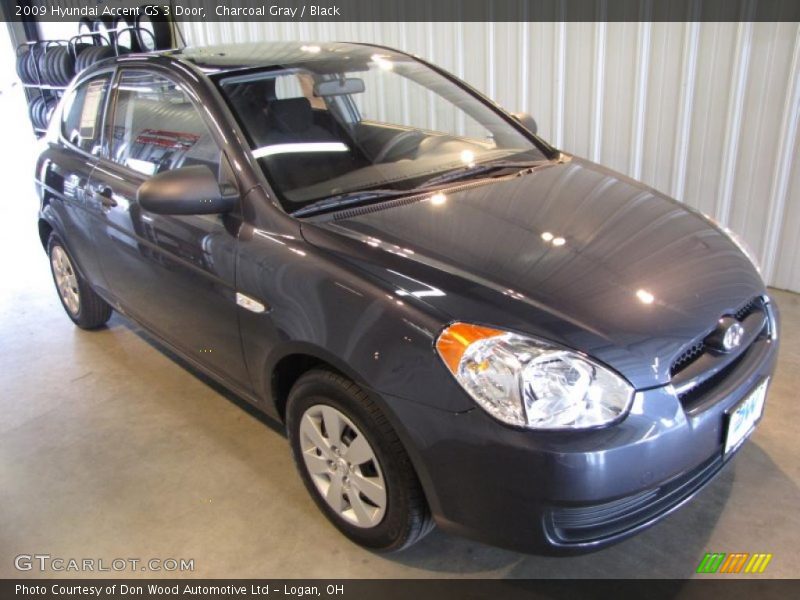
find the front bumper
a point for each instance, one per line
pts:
(571, 492)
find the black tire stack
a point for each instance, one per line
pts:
(47, 67)
(26, 69)
(40, 109)
(56, 66)
(92, 54)
(154, 32)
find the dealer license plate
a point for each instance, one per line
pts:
(744, 417)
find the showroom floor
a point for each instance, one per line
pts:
(109, 448)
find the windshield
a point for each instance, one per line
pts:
(347, 124)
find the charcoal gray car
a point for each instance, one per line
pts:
(456, 322)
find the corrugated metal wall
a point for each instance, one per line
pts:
(706, 112)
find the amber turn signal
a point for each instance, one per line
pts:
(455, 340)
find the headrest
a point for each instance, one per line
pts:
(291, 115)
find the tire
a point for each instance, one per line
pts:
(395, 523)
(106, 27)
(80, 62)
(41, 106)
(43, 62)
(86, 309)
(22, 67)
(48, 67)
(64, 66)
(48, 110)
(79, 50)
(93, 55)
(126, 40)
(56, 66)
(31, 64)
(33, 110)
(155, 33)
(40, 110)
(85, 26)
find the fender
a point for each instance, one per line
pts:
(53, 220)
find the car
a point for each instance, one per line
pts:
(457, 323)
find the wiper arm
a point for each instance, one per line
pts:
(482, 169)
(348, 199)
(367, 196)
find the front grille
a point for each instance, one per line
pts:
(696, 350)
(687, 357)
(602, 521)
(748, 309)
(692, 396)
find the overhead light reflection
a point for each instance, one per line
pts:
(553, 239)
(425, 290)
(299, 147)
(382, 62)
(645, 297)
(438, 199)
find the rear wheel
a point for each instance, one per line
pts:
(86, 309)
(353, 463)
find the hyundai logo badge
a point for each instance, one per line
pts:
(728, 335)
(732, 337)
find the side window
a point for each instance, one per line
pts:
(80, 122)
(156, 127)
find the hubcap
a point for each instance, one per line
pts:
(343, 466)
(66, 280)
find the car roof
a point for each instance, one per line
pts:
(230, 57)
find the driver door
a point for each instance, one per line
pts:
(173, 273)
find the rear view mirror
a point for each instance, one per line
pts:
(339, 87)
(528, 122)
(186, 191)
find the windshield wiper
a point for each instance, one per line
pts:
(349, 199)
(474, 170)
(368, 196)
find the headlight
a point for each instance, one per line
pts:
(531, 383)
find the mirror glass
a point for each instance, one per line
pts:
(339, 87)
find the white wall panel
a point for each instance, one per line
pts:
(705, 112)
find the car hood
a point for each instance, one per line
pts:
(573, 253)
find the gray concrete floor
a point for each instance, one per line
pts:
(110, 448)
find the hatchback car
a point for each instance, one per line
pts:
(456, 322)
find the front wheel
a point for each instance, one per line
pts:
(86, 309)
(353, 463)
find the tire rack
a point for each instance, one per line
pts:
(48, 92)
(37, 88)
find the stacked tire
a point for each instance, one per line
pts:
(26, 67)
(153, 31)
(47, 67)
(92, 54)
(41, 109)
(56, 66)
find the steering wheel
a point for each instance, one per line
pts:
(405, 141)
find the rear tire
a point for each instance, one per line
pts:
(86, 309)
(398, 517)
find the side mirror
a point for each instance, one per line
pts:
(528, 122)
(186, 191)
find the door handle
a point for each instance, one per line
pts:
(105, 196)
